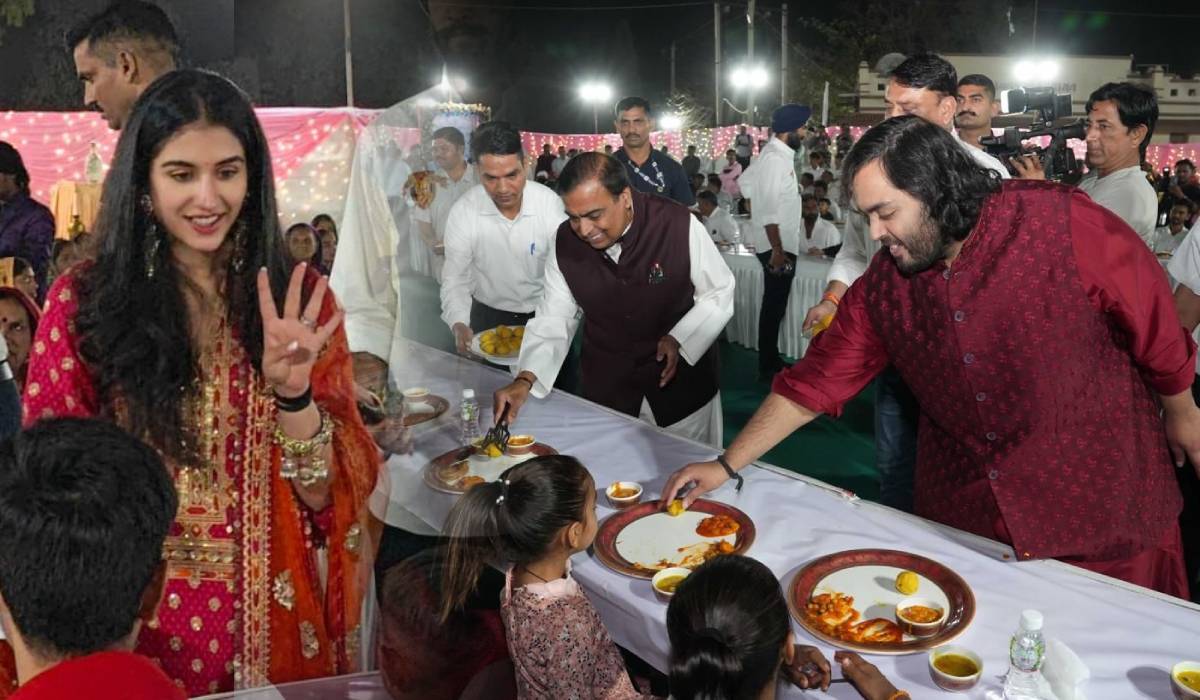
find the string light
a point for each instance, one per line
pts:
(312, 149)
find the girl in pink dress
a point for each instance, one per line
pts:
(533, 519)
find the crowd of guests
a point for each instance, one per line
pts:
(187, 383)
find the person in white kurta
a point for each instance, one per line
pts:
(453, 178)
(816, 234)
(1167, 238)
(548, 335)
(717, 221)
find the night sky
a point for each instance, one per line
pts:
(289, 52)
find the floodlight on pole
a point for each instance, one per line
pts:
(596, 94)
(670, 122)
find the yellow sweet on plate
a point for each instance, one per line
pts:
(493, 451)
(907, 582)
(675, 507)
(504, 332)
(519, 332)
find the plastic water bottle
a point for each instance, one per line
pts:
(468, 414)
(94, 167)
(1026, 652)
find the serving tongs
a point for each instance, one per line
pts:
(499, 434)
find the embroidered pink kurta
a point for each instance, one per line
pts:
(244, 605)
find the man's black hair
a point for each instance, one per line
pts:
(84, 510)
(928, 71)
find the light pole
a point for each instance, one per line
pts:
(749, 78)
(596, 93)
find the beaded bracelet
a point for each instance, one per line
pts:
(302, 459)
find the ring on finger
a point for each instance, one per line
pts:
(307, 322)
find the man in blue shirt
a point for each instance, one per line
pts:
(649, 171)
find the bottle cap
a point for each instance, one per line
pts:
(1031, 620)
(468, 393)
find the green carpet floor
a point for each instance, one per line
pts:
(841, 452)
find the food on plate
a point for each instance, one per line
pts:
(451, 473)
(675, 507)
(908, 583)
(469, 481)
(668, 584)
(493, 450)
(955, 665)
(502, 341)
(921, 614)
(717, 526)
(693, 555)
(833, 614)
(618, 491)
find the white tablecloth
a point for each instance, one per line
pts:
(1128, 636)
(807, 288)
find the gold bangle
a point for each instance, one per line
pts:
(900, 695)
(302, 460)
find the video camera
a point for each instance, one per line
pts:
(1046, 106)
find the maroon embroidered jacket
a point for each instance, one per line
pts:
(1035, 359)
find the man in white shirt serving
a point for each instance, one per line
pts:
(454, 178)
(654, 293)
(1120, 122)
(770, 185)
(497, 238)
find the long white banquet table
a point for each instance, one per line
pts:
(1128, 636)
(807, 288)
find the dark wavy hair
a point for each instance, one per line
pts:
(727, 623)
(133, 329)
(927, 162)
(543, 495)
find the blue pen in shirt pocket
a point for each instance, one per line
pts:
(532, 246)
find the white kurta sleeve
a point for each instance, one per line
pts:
(852, 260)
(365, 276)
(713, 296)
(457, 273)
(549, 333)
(1185, 263)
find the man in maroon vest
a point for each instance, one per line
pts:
(1040, 339)
(654, 294)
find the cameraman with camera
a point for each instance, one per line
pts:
(1121, 119)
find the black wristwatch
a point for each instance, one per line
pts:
(732, 474)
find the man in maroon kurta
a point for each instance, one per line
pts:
(1040, 338)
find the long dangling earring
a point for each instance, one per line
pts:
(152, 238)
(239, 247)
